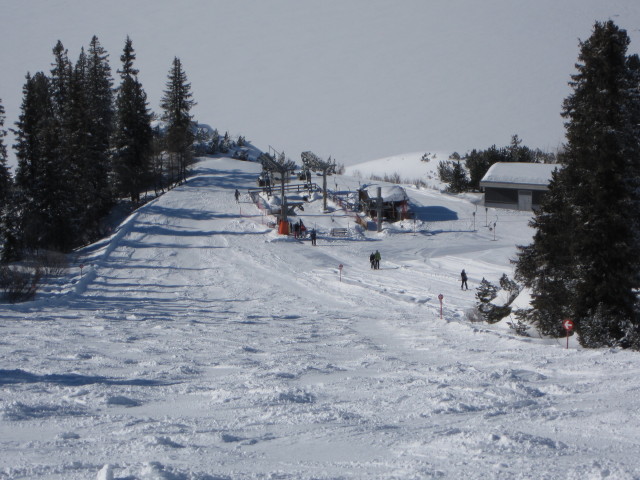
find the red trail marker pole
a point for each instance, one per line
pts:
(440, 297)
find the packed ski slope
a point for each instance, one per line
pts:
(199, 344)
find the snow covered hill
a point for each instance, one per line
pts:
(199, 344)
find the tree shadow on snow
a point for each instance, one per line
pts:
(9, 377)
(434, 213)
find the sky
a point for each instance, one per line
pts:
(198, 344)
(356, 80)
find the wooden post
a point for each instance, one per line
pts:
(379, 209)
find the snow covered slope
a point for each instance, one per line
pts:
(200, 345)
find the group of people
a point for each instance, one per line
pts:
(299, 230)
(374, 259)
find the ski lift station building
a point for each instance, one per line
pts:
(395, 201)
(517, 186)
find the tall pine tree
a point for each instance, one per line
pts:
(98, 87)
(586, 252)
(5, 176)
(177, 104)
(546, 266)
(41, 177)
(9, 216)
(5, 184)
(132, 134)
(88, 116)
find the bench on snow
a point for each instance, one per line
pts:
(339, 232)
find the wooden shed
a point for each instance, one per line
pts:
(517, 186)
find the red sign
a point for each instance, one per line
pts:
(340, 266)
(567, 324)
(440, 297)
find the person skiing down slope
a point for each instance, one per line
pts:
(237, 196)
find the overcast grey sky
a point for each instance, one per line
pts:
(355, 79)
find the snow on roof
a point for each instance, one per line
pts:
(520, 173)
(390, 193)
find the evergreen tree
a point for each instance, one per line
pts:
(459, 181)
(36, 106)
(445, 171)
(69, 124)
(158, 161)
(177, 104)
(584, 262)
(86, 128)
(5, 176)
(99, 94)
(61, 74)
(546, 266)
(604, 154)
(132, 134)
(485, 294)
(225, 143)
(478, 163)
(214, 143)
(79, 155)
(42, 178)
(5, 187)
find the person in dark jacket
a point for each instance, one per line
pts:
(377, 260)
(372, 260)
(313, 236)
(237, 196)
(463, 277)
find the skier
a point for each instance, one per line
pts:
(377, 260)
(372, 260)
(237, 196)
(463, 277)
(313, 236)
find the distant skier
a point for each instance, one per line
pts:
(372, 260)
(313, 236)
(463, 277)
(377, 260)
(237, 196)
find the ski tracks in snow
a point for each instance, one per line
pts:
(204, 346)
